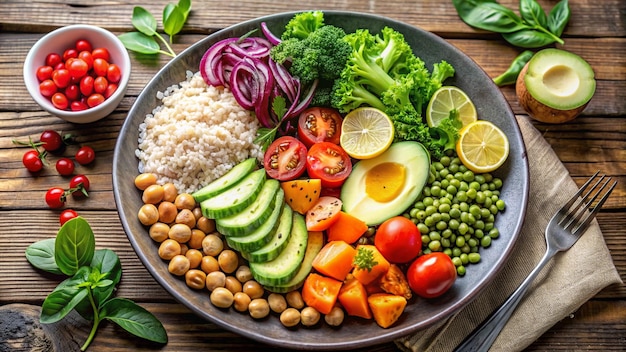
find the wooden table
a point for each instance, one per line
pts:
(595, 140)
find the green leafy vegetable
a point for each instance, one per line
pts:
(93, 277)
(265, 136)
(302, 24)
(510, 75)
(143, 41)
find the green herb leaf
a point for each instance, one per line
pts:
(265, 137)
(143, 21)
(173, 20)
(134, 319)
(139, 42)
(529, 38)
(41, 255)
(185, 7)
(559, 17)
(74, 246)
(489, 16)
(67, 295)
(510, 75)
(107, 262)
(364, 259)
(533, 13)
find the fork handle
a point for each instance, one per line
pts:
(484, 335)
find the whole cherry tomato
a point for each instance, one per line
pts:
(431, 275)
(55, 197)
(101, 53)
(65, 166)
(72, 92)
(79, 186)
(100, 66)
(47, 88)
(53, 59)
(78, 106)
(61, 77)
(59, 100)
(398, 240)
(32, 161)
(95, 99)
(78, 68)
(114, 73)
(319, 124)
(44, 73)
(285, 159)
(83, 45)
(66, 215)
(52, 140)
(85, 155)
(328, 162)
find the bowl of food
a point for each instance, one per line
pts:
(172, 105)
(78, 72)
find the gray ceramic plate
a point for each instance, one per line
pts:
(419, 313)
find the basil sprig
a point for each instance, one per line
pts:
(533, 29)
(510, 75)
(143, 41)
(92, 278)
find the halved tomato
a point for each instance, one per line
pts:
(318, 124)
(328, 162)
(285, 159)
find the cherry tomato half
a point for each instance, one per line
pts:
(65, 166)
(323, 213)
(319, 124)
(55, 197)
(66, 215)
(328, 162)
(431, 275)
(285, 159)
(398, 240)
(85, 155)
(32, 161)
(52, 140)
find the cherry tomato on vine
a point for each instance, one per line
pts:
(66, 215)
(65, 166)
(398, 240)
(52, 140)
(431, 275)
(85, 155)
(32, 161)
(285, 159)
(55, 197)
(319, 124)
(79, 186)
(328, 162)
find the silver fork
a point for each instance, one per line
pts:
(563, 230)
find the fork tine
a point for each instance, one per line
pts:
(594, 211)
(569, 212)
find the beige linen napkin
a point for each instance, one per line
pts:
(569, 280)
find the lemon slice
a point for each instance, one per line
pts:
(482, 146)
(446, 99)
(366, 133)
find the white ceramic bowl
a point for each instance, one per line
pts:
(58, 41)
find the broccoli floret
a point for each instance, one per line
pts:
(302, 24)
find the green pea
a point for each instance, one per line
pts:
(445, 217)
(441, 225)
(430, 210)
(419, 205)
(434, 246)
(429, 221)
(500, 204)
(456, 251)
(427, 201)
(435, 191)
(460, 241)
(472, 242)
(474, 185)
(479, 225)
(425, 239)
(464, 186)
(421, 215)
(471, 193)
(413, 213)
(455, 213)
(438, 165)
(460, 270)
(488, 202)
(464, 258)
(423, 228)
(447, 251)
(480, 178)
(445, 160)
(445, 183)
(473, 258)
(457, 261)
(494, 233)
(462, 196)
(497, 182)
(480, 197)
(484, 187)
(463, 206)
(463, 228)
(454, 167)
(454, 224)
(485, 241)
(446, 233)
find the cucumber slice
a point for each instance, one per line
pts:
(278, 241)
(229, 179)
(234, 199)
(314, 246)
(284, 267)
(263, 234)
(253, 215)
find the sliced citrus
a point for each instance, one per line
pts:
(482, 146)
(366, 133)
(446, 99)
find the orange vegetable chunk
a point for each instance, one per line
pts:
(347, 228)
(353, 298)
(380, 268)
(320, 292)
(302, 194)
(323, 213)
(386, 308)
(335, 259)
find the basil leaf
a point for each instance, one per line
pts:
(75, 246)
(64, 298)
(173, 20)
(41, 255)
(144, 21)
(140, 43)
(185, 7)
(529, 38)
(491, 16)
(134, 319)
(106, 261)
(533, 13)
(559, 17)
(510, 75)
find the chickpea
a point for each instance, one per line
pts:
(142, 181)
(214, 280)
(169, 249)
(209, 264)
(205, 224)
(335, 317)
(228, 260)
(243, 273)
(294, 299)
(253, 289)
(290, 317)
(233, 285)
(185, 201)
(259, 308)
(222, 298)
(167, 212)
(185, 216)
(195, 241)
(241, 301)
(153, 194)
(195, 279)
(183, 248)
(148, 214)
(178, 265)
(309, 316)
(195, 258)
(169, 192)
(277, 302)
(212, 245)
(158, 231)
(180, 233)
(197, 213)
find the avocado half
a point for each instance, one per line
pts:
(555, 86)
